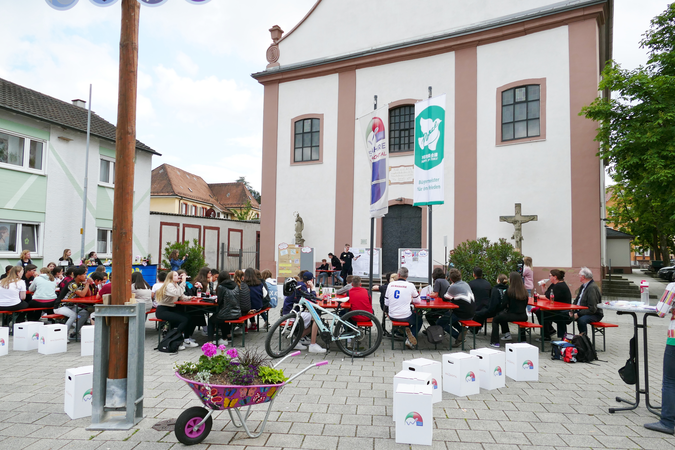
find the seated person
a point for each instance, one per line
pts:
(106, 286)
(78, 287)
(461, 295)
(161, 276)
(440, 287)
(588, 295)
(398, 300)
(359, 300)
(7, 269)
(345, 289)
(306, 286)
(561, 293)
(173, 290)
(228, 308)
(43, 288)
(516, 297)
(323, 275)
(336, 265)
(13, 291)
(496, 304)
(481, 288)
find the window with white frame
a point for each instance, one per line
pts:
(104, 241)
(183, 208)
(16, 237)
(107, 171)
(21, 152)
(193, 210)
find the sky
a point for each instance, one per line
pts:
(197, 103)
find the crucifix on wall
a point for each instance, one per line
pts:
(517, 221)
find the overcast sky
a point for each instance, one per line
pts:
(197, 104)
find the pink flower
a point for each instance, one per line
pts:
(209, 349)
(222, 347)
(232, 353)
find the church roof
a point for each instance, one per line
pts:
(28, 102)
(321, 23)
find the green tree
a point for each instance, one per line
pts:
(494, 258)
(195, 256)
(244, 213)
(637, 138)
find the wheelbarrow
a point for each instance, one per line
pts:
(194, 424)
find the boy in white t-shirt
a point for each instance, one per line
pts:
(398, 299)
(161, 276)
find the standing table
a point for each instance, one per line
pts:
(634, 311)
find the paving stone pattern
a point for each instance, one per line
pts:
(348, 405)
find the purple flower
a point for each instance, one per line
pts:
(232, 353)
(222, 347)
(209, 349)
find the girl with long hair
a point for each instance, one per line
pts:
(13, 291)
(142, 290)
(175, 260)
(66, 259)
(43, 288)
(516, 296)
(172, 291)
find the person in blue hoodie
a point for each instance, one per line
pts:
(176, 261)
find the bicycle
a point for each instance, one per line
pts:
(350, 337)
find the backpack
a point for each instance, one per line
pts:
(435, 334)
(570, 354)
(558, 349)
(586, 351)
(171, 341)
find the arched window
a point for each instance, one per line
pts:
(521, 111)
(307, 139)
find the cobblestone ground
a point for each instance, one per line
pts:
(348, 405)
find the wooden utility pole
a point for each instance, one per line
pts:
(125, 150)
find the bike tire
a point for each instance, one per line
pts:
(185, 423)
(278, 345)
(369, 343)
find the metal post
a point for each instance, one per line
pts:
(429, 240)
(86, 179)
(241, 257)
(125, 149)
(222, 256)
(372, 236)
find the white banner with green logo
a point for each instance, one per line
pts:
(429, 151)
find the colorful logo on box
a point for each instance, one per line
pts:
(414, 418)
(470, 377)
(498, 371)
(434, 383)
(35, 337)
(2, 342)
(528, 365)
(87, 396)
(43, 340)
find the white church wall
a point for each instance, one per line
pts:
(307, 188)
(391, 83)
(377, 23)
(536, 174)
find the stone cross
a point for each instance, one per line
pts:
(518, 220)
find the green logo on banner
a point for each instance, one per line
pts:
(429, 137)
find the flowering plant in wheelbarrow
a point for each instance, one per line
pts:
(228, 379)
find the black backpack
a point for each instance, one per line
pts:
(586, 351)
(171, 341)
(435, 334)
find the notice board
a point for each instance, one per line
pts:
(416, 260)
(361, 266)
(293, 258)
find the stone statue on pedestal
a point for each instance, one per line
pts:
(299, 226)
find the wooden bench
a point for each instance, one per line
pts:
(600, 328)
(367, 325)
(470, 324)
(242, 321)
(13, 315)
(527, 326)
(159, 324)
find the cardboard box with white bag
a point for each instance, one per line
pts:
(27, 335)
(53, 339)
(491, 368)
(409, 377)
(522, 362)
(87, 340)
(428, 366)
(4, 341)
(460, 374)
(415, 421)
(79, 383)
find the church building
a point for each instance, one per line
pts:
(515, 74)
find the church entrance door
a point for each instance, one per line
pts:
(401, 228)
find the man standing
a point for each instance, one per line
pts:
(588, 295)
(461, 295)
(347, 257)
(398, 299)
(337, 265)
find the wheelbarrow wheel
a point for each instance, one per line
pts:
(184, 428)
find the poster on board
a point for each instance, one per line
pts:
(292, 259)
(416, 260)
(361, 266)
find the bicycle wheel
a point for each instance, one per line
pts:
(362, 342)
(280, 341)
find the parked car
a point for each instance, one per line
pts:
(667, 273)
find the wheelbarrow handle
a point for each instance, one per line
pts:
(322, 363)
(285, 357)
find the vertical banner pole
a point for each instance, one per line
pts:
(372, 237)
(429, 240)
(125, 149)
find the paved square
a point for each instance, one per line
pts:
(348, 405)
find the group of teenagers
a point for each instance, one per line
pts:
(478, 300)
(247, 292)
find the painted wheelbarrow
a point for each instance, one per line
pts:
(194, 424)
